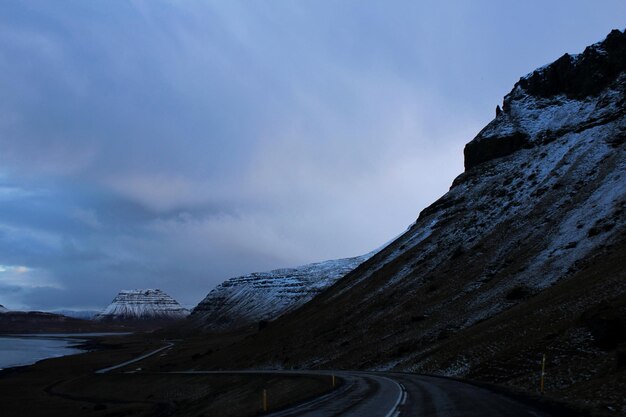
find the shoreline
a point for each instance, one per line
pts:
(77, 343)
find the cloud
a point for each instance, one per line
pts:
(88, 217)
(23, 276)
(175, 144)
(18, 282)
(163, 193)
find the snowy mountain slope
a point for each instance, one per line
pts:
(266, 295)
(3, 309)
(523, 256)
(148, 304)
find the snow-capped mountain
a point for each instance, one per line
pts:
(267, 295)
(523, 256)
(3, 309)
(148, 304)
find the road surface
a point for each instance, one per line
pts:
(389, 394)
(137, 359)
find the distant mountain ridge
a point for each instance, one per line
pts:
(33, 322)
(142, 304)
(77, 314)
(262, 296)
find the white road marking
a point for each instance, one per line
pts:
(394, 410)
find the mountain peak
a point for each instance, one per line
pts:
(582, 75)
(572, 94)
(143, 304)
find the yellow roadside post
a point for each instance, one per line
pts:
(333, 381)
(265, 400)
(543, 373)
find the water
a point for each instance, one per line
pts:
(78, 336)
(23, 350)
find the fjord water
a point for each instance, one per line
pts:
(26, 350)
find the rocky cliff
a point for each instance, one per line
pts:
(574, 93)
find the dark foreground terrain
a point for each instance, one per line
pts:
(166, 384)
(70, 386)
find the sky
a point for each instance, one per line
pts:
(175, 144)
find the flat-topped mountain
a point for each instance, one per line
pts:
(148, 304)
(267, 295)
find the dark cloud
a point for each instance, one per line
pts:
(175, 144)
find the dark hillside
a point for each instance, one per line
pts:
(525, 255)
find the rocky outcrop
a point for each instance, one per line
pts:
(573, 93)
(485, 148)
(263, 296)
(148, 304)
(580, 76)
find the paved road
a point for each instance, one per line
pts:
(388, 394)
(137, 359)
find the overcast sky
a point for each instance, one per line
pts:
(174, 144)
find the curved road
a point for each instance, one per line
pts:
(137, 359)
(388, 394)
